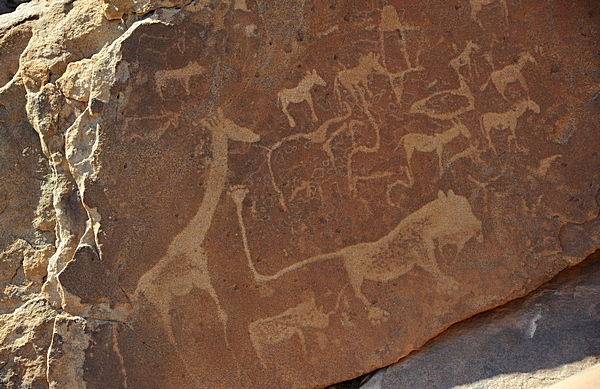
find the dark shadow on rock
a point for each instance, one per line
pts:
(7, 6)
(557, 324)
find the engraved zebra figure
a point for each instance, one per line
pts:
(510, 73)
(299, 94)
(505, 120)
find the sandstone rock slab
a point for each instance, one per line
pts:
(250, 200)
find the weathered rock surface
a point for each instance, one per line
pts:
(529, 343)
(288, 194)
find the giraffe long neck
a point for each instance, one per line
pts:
(197, 228)
(306, 84)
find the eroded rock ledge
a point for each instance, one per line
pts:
(282, 194)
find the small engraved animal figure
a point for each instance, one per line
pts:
(299, 94)
(511, 73)
(428, 143)
(502, 121)
(477, 5)
(464, 59)
(164, 78)
(355, 78)
(284, 326)
(429, 105)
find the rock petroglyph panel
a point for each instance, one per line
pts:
(251, 200)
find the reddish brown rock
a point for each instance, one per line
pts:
(530, 343)
(289, 194)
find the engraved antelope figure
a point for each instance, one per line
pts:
(284, 326)
(477, 5)
(428, 143)
(164, 78)
(510, 73)
(505, 120)
(185, 265)
(464, 59)
(299, 94)
(355, 78)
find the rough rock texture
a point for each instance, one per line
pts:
(530, 343)
(286, 194)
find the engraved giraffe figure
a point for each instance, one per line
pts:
(505, 120)
(477, 5)
(510, 73)
(299, 94)
(428, 143)
(464, 59)
(185, 264)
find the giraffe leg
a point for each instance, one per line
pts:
(439, 150)
(290, 118)
(312, 108)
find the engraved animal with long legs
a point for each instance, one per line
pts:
(299, 94)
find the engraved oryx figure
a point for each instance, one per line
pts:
(505, 120)
(299, 94)
(427, 143)
(510, 73)
(185, 265)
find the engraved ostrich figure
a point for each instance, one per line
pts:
(185, 264)
(511, 73)
(506, 120)
(429, 143)
(299, 94)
